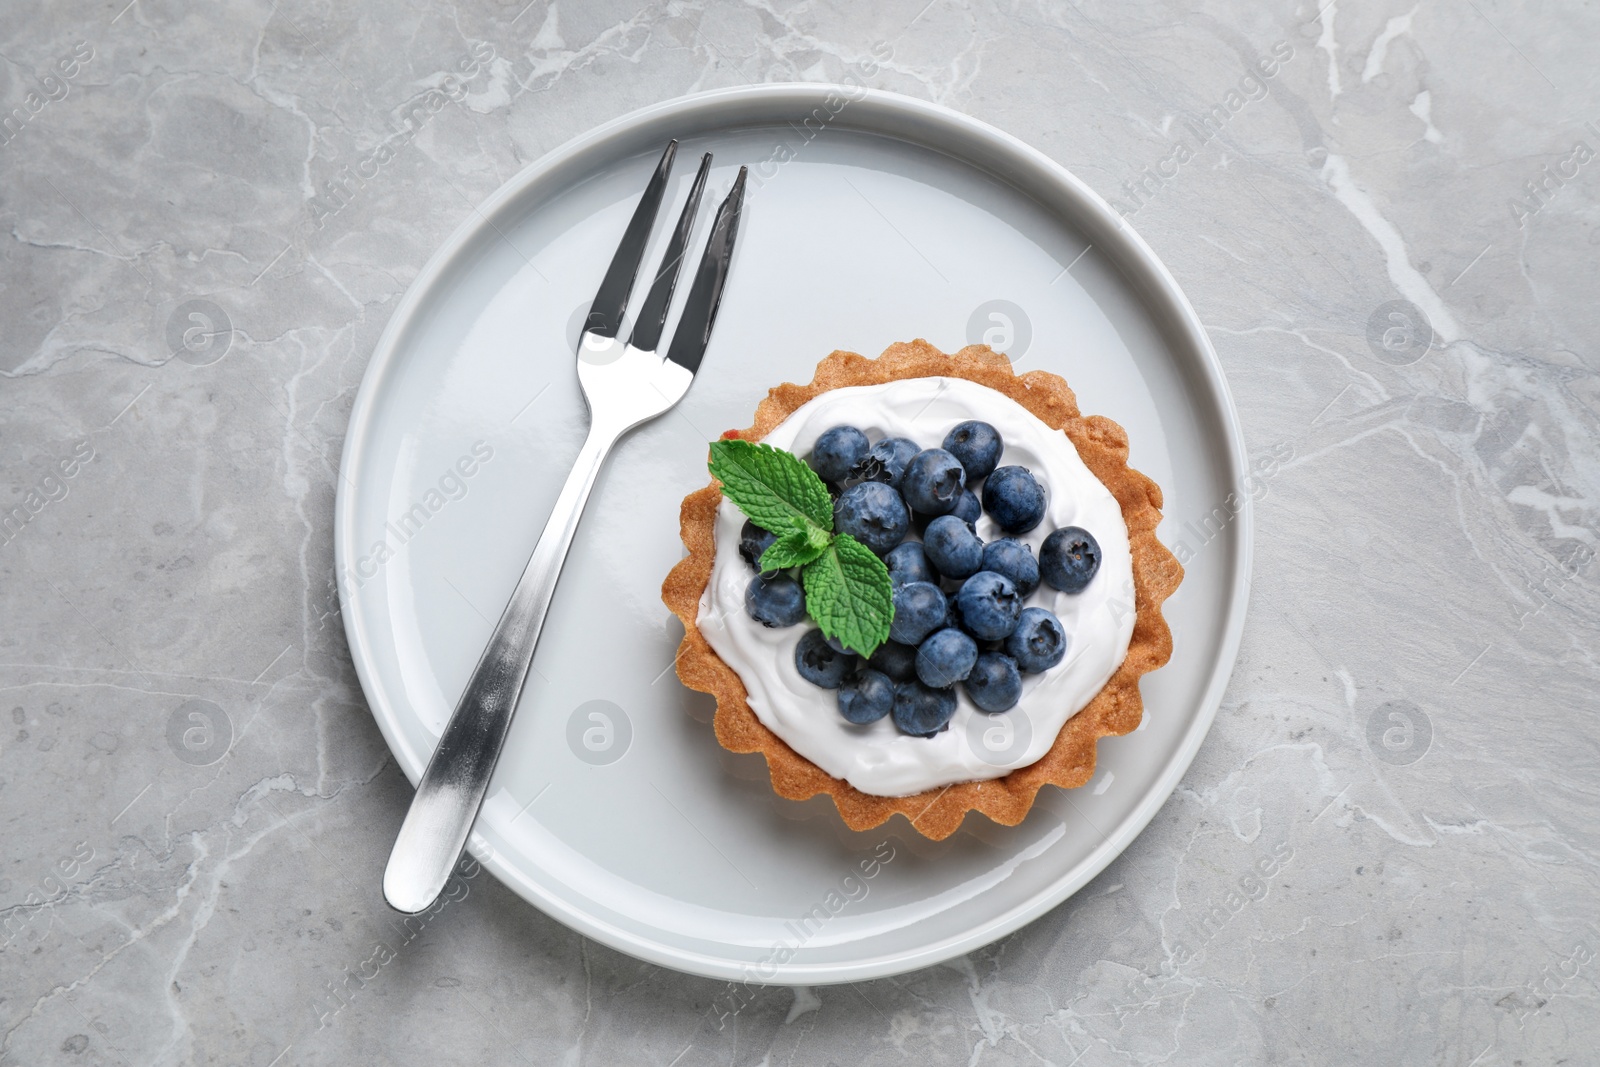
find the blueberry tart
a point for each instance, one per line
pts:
(907, 558)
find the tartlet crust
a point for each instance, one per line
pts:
(1115, 710)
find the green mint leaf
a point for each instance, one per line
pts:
(772, 487)
(796, 548)
(849, 595)
(816, 537)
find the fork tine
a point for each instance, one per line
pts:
(611, 301)
(700, 310)
(653, 315)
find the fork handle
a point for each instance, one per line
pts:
(457, 777)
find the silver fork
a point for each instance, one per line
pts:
(624, 384)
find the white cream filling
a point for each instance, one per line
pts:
(878, 758)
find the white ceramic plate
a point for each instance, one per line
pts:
(613, 808)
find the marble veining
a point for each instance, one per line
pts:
(1386, 850)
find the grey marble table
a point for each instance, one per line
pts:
(1387, 216)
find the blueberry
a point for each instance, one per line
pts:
(995, 684)
(775, 600)
(866, 696)
(907, 563)
(919, 609)
(945, 658)
(838, 646)
(952, 547)
(953, 618)
(898, 661)
(977, 445)
(1014, 498)
(836, 451)
(753, 541)
(968, 509)
(989, 605)
(1069, 558)
(1013, 559)
(1038, 642)
(873, 514)
(923, 712)
(886, 461)
(933, 482)
(819, 664)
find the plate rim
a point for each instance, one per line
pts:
(1091, 215)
